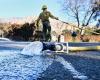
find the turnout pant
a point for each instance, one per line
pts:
(46, 31)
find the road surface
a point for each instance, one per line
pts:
(84, 65)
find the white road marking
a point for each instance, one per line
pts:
(69, 66)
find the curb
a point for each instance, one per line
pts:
(86, 48)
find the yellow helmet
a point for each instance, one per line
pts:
(44, 7)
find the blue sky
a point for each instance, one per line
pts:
(22, 8)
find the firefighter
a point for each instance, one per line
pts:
(44, 17)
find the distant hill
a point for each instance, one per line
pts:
(57, 26)
(18, 20)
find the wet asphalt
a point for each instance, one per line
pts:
(15, 66)
(21, 67)
(87, 62)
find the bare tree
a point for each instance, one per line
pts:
(81, 11)
(97, 11)
(72, 8)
